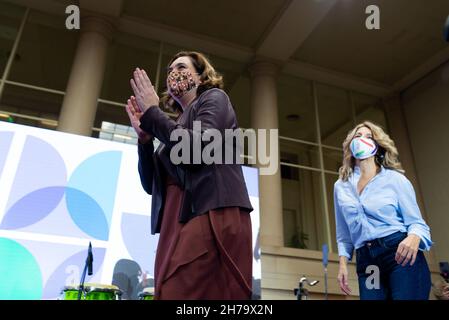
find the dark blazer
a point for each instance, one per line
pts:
(206, 186)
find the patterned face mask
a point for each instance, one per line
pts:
(180, 82)
(363, 148)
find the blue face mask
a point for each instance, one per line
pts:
(363, 148)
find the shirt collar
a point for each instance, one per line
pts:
(356, 170)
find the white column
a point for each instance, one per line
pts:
(264, 115)
(86, 78)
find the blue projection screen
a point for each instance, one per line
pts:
(59, 191)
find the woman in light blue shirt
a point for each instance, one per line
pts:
(376, 214)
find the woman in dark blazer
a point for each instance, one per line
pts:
(200, 210)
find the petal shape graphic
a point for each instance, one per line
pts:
(97, 176)
(20, 275)
(64, 273)
(139, 242)
(58, 222)
(40, 166)
(87, 214)
(32, 208)
(5, 143)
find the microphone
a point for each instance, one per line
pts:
(90, 260)
(88, 267)
(325, 255)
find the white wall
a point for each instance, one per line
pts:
(426, 110)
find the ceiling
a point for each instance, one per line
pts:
(410, 33)
(239, 22)
(335, 39)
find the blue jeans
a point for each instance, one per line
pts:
(392, 281)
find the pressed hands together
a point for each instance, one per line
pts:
(144, 97)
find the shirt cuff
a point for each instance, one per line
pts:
(345, 250)
(426, 243)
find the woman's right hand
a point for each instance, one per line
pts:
(134, 115)
(343, 276)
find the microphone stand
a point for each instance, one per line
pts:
(87, 268)
(325, 262)
(325, 283)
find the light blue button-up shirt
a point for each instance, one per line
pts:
(386, 205)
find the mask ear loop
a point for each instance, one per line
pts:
(199, 75)
(380, 156)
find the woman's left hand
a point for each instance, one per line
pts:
(408, 249)
(144, 92)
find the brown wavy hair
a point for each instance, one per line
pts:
(387, 154)
(208, 76)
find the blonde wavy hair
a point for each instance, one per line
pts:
(208, 76)
(387, 154)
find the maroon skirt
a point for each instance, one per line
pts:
(209, 257)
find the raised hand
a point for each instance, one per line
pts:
(144, 92)
(134, 115)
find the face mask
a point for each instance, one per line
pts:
(179, 83)
(363, 148)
